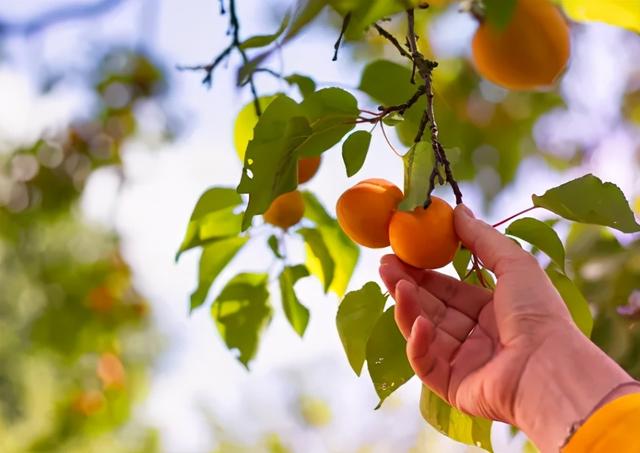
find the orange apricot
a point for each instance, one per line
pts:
(286, 210)
(425, 238)
(111, 371)
(364, 211)
(530, 52)
(307, 168)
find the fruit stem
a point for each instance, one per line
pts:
(524, 211)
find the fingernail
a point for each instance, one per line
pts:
(467, 211)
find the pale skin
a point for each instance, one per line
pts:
(512, 354)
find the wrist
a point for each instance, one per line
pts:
(567, 377)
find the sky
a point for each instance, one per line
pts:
(197, 384)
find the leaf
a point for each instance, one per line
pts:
(354, 151)
(244, 124)
(393, 119)
(366, 12)
(358, 313)
(215, 257)
(316, 247)
(620, 13)
(453, 423)
(343, 251)
(297, 314)
(540, 235)
(461, 262)
(418, 164)
(386, 357)
(332, 113)
(212, 218)
(387, 82)
(573, 298)
(589, 200)
(265, 40)
(274, 245)
(241, 312)
(305, 84)
(499, 12)
(270, 167)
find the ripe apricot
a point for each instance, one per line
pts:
(364, 211)
(424, 238)
(530, 52)
(286, 210)
(111, 371)
(307, 168)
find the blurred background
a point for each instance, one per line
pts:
(104, 149)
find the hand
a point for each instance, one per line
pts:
(513, 354)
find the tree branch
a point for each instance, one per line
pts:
(343, 30)
(55, 16)
(236, 44)
(392, 39)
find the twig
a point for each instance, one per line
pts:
(236, 44)
(222, 10)
(524, 211)
(343, 30)
(392, 39)
(55, 16)
(400, 108)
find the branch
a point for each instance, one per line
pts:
(343, 30)
(236, 44)
(425, 68)
(55, 16)
(392, 39)
(400, 108)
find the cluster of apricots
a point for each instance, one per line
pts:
(424, 238)
(530, 51)
(288, 209)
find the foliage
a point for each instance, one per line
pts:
(76, 333)
(465, 129)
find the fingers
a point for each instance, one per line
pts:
(495, 250)
(465, 298)
(413, 301)
(427, 356)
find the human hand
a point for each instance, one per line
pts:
(512, 354)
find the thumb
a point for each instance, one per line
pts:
(495, 250)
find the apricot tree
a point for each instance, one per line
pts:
(520, 45)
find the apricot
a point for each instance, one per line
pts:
(307, 168)
(286, 210)
(424, 238)
(364, 211)
(111, 371)
(530, 52)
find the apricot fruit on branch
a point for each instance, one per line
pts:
(425, 238)
(307, 168)
(531, 51)
(286, 210)
(364, 211)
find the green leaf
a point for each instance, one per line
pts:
(418, 164)
(305, 84)
(393, 119)
(366, 12)
(245, 123)
(589, 200)
(620, 13)
(332, 113)
(461, 262)
(387, 82)
(215, 257)
(265, 40)
(297, 314)
(499, 12)
(386, 357)
(212, 218)
(354, 151)
(343, 251)
(274, 245)
(318, 253)
(540, 235)
(270, 167)
(453, 423)
(358, 313)
(241, 312)
(573, 298)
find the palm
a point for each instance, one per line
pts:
(466, 343)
